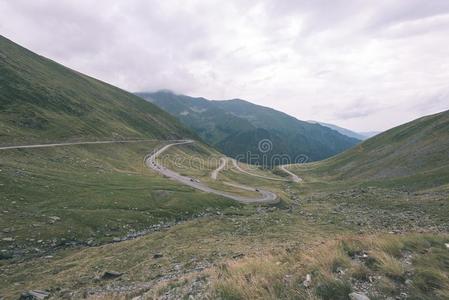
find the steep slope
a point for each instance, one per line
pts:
(236, 127)
(41, 101)
(73, 194)
(418, 148)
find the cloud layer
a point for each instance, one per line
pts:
(361, 64)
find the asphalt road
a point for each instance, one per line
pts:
(293, 176)
(150, 161)
(215, 172)
(236, 165)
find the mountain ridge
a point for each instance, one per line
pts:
(345, 131)
(236, 127)
(43, 101)
(417, 151)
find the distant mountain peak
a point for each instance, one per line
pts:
(358, 135)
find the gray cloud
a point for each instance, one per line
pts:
(312, 59)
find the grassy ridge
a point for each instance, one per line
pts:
(42, 101)
(413, 154)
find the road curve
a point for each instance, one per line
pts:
(236, 165)
(293, 176)
(150, 161)
(215, 172)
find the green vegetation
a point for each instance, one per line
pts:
(373, 219)
(42, 101)
(91, 192)
(413, 154)
(235, 127)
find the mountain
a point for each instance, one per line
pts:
(342, 130)
(43, 101)
(357, 135)
(236, 127)
(418, 150)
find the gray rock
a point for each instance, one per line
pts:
(54, 219)
(111, 275)
(308, 282)
(34, 295)
(358, 296)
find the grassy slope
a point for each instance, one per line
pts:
(98, 192)
(393, 266)
(413, 154)
(97, 185)
(42, 101)
(274, 248)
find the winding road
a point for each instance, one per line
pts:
(223, 160)
(150, 160)
(294, 177)
(236, 165)
(215, 172)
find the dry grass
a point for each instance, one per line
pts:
(336, 265)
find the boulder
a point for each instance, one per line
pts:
(111, 275)
(358, 296)
(34, 295)
(308, 282)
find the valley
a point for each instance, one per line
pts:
(104, 195)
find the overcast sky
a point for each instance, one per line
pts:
(364, 65)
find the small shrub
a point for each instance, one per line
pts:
(372, 263)
(227, 292)
(360, 272)
(340, 262)
(352, 247)
(392, 246)
(386, 286)
(428, 280)
(390, 266)
(333, 290)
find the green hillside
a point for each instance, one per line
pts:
(235, 127)
(417, 151)
(43, 101)
(69, 195)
